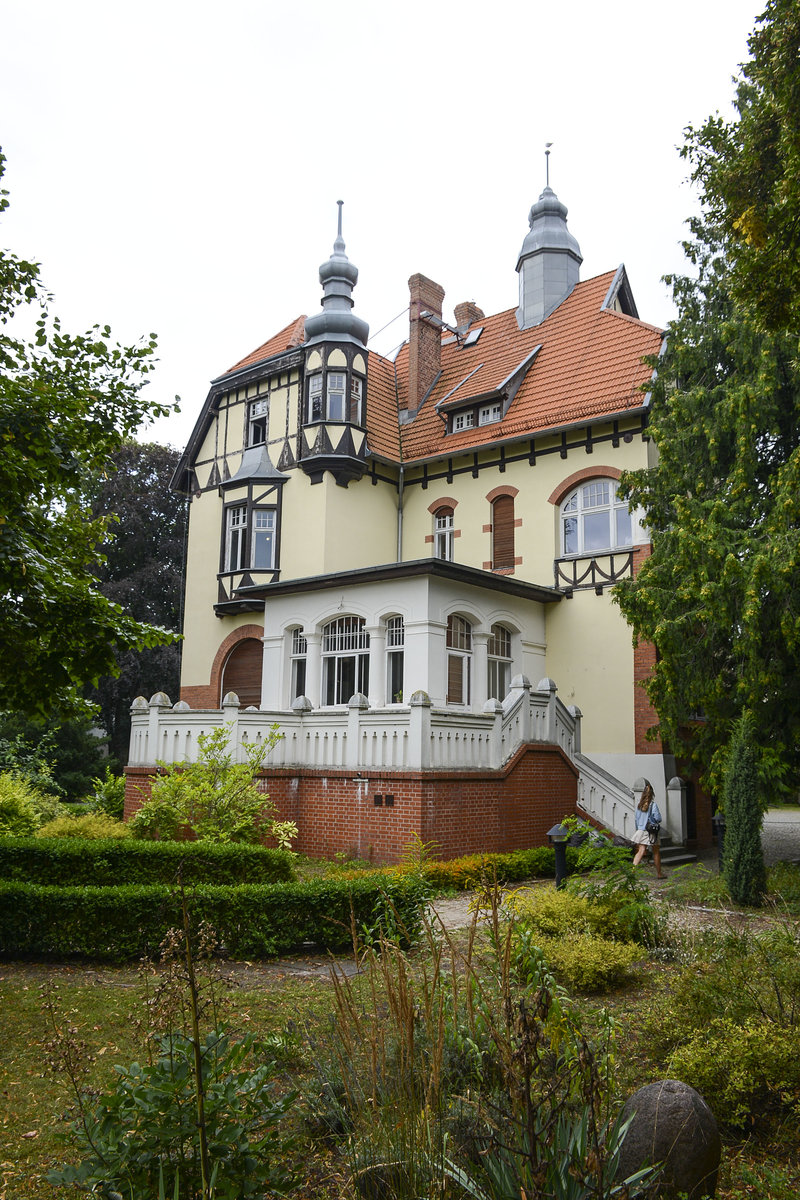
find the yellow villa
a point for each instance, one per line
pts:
(408, 565)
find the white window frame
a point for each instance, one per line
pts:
(500, 661)
(263, 533)
(395, 659)
(463, 420)
(297, 660)
(345, 655)
(236, 538)
(315, 406)
(459, 647)
(356, 400)
(444, 534)
(258, 422)
(335, 393)
(489, 413)
(579, 524)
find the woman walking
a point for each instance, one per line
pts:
(647, 811)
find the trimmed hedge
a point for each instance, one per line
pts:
(251, 920)
(67, 862)
(472, 870)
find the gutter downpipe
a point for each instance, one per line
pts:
(400, 484)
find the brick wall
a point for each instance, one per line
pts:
(464, 812)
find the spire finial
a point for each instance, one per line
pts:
(339, 230)
(547, 146)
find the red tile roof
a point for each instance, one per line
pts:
(588, 366)
(289, 337)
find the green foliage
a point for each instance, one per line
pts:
(67, 752)
(28, 757)
(585, 943)
(142, 571)
(747, 170)
(607, 876)
(215, 798)
(17, 813)
(128, 922)
(695, 884)
(744, 1062)
(108, 794)
(473, 870)
(743, 862)
(464, 1078)
(743, 1071)
(61, 862)
(144, 1132)
(720, 595)
(90, 825)
(66, 404)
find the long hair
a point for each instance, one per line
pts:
(646, 798)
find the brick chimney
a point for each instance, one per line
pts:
(466, 313)
(424, 338)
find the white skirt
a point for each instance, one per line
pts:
(641, 838)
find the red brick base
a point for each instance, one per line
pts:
(374, 816)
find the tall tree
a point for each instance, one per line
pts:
(142, 571)
(745, 873)
(748, 171)
(720, 595)
(66, 404)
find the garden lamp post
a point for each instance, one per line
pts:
(558, 840)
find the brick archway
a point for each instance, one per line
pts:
(210, 695)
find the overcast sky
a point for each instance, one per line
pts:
(174, 166)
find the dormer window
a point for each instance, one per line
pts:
(258, 419)
(481, 414)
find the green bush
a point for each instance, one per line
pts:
(108, 794)
(250, 920)
(17, 813)
(472, 870)
(143, 1134)
(588, 963)
(215, 798)
(556, 913)
(743, 1071)
(68, 862)
(90, 825)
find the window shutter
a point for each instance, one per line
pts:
(503, 533)
(455, 679)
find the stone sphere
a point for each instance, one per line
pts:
(672, 1124)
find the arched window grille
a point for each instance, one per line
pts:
(345, 659)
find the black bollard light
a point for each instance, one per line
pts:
(558, 840)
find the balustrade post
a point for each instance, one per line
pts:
(159, 703)
(675, 816)
(419, 731)
(520, 692)
(356, 705)
(549, 685)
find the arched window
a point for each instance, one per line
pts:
(242, 672)
(503, 533)
(499, 653)
(443, 533)
(594, 519)
(345, 659)
(459, 660)
(395, 650)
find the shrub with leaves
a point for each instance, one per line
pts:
(90, 825)
(200, 1118)
(17, 813)
(108, 794)
(215, 798)
(607, 876)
